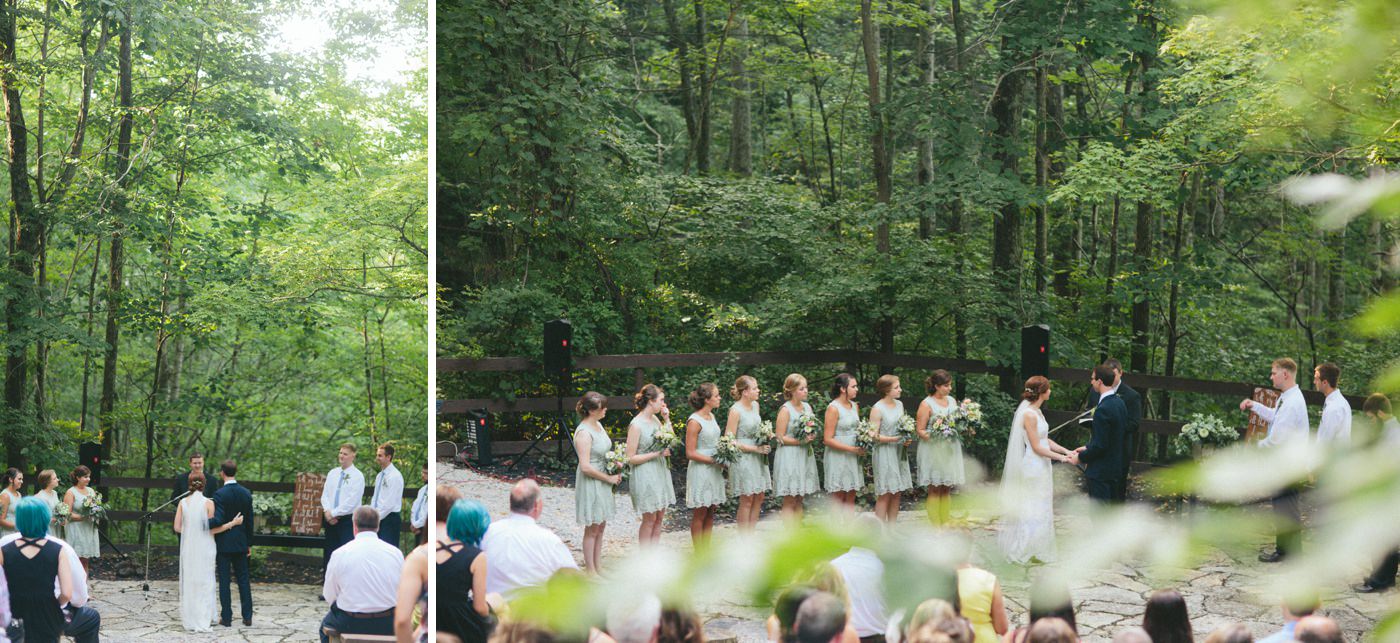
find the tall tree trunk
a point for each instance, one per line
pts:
(1143, 237)
(1173, 297)
(1042, 178)
(740, 134)
(115, 256)
(955, 205)
(1006, 227)
(702, 142)
(682, 49)
(24, 240)
(929, 58)
(1384, 249)
(1106, 322)
(870, 42)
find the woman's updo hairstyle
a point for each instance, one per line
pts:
(590, 402)
(842, 381)
(646, 395)
(742, 384)
(1035, 387)
(702, 394)
(793, 382)
(196, 482)
(885, 384)
(936, 379)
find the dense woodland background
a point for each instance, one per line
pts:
(918, 177)
(216, 243)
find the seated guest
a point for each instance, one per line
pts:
(31, 577)
(948, 629)
(864, 574)
(1132, 635)
(930, 613)
(1046, 602)
(1236, 633)
(981, 601)
(443, 497)
(821, 619)
(1052, 630)
(824, 577)
(1318, 629)
(680, 626)
(780, 624)
(1293, 610)
(362, 581)
(461, 570)
(517, 632)
(83, 620)
(411, 607)
(635, 619)
(523, 554)
(1165, 619)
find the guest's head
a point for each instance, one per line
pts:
(510, 631)
(785, 608)
(468, 521)
(888, 386)
(824, 577)
(525, 498)
(366, 518)
(795, 387)
(745, 388)
(844, 384)
(1051, 630)
(1037, 388)
(938, 382)
(32, 517)
(680, 626)
(81, 475)
(591, 406)
(1283, 372)
(195, 481)
(1132, 635)
(12, 479)
(444, 497)
(1234, 633)
(346, 455)
(48, 479)
(706, 395)
(953, 629)
(384, 455)
(821, 619)
(634, 619)
(1325, 377)
(1318, 629)
(1052, 602)
(931, 612)
(1117, 367)
(1165, 618)
(197, 461)
(649, 398)
(1300, 605)
(228, 469)
(1103, 378)
(425, 471)
(1377, 406)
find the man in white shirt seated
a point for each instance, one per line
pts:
(864, 575)
(1334, 429)
(83, 621)
(522, 553)
(362, 581)
(1288, 424)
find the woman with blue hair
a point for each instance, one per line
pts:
(32, 563)
(461, 600)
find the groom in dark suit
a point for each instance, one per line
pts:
(1104, 454)
(1132, 401)
(234, 545)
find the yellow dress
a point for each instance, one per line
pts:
(976, 588)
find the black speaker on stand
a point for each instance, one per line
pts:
(1035, 351)
(559, 366)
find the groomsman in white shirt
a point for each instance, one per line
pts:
(362, 581)
(418, 516)
(345, 488)
(1288, 424)
(388, 495)
(1334, 429)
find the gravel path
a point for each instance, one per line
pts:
(1218, 592)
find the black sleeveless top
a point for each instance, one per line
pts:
(31, 589)
(455, 613)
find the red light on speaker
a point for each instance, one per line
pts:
(564, 343)
(1042, 349)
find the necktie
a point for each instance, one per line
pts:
(374, 501)
(338, 485)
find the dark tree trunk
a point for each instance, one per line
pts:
(740, 134)
(115, 255)
(24, 241)
(870, 42)
(1006, 228)
(702, 141)
(682, 49)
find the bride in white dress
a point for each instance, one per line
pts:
(198, 601)
(1027, 483)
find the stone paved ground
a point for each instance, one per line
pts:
(1219, 592)
(280, 613)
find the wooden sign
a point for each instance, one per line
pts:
(306, 504)
(1258, 428)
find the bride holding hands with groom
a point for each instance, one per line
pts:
(214, 532)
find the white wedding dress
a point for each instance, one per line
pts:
(198, 601)
(1027, 494)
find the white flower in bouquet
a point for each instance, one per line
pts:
(727, 451)
(968, 419)
(943, 427)
(865, 436)
(808, 428)
(62, 512)
(664, 438)
(617, 461)
(765, 434)
(907, 429)
(95, 510)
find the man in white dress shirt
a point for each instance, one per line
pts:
(388, 495)
(418, 516)
(1288, 424)
(522, 553)
(1334, 429)
(344, 490)
(83, 621)
(362, 581)
(864, 575)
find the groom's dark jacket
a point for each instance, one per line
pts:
(229, 501)
(1103, 456)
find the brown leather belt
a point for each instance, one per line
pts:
(388, 612)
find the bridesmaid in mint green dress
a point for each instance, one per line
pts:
(651, 486)
(748, 478)
(794, 466)
(844, 476)
(890, 462)
(593, 486)
(940, 460)
(704, 478)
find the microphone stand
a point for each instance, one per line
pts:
(146, 577)
(1073, 420)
